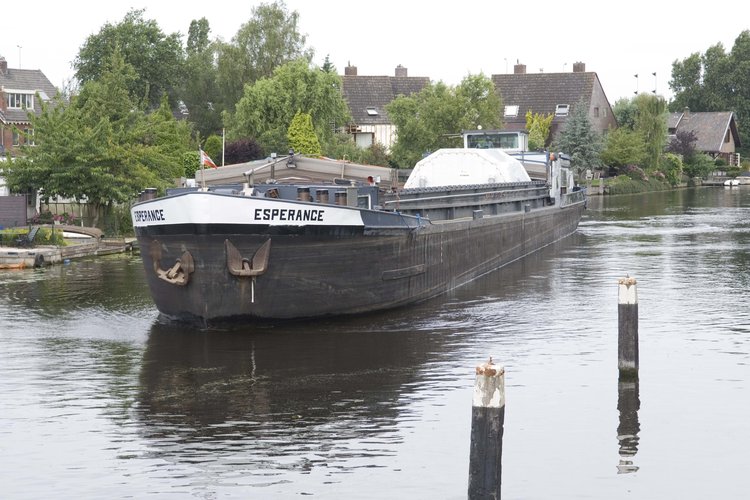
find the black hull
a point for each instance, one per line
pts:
(339, 270)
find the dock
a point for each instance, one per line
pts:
(91, 244)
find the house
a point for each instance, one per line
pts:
(367, 97)
(715, 132)
(553, 93)
(20, 91)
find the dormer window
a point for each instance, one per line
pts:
(511, 111)
(372, 111)
(20, 101)
(562, 109)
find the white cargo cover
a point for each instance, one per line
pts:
(455, 167)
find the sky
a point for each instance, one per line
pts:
(440, 40)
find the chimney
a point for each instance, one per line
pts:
(401, 71)
(3, 66)
(350, 70)
(519, 69)
(686, 112)
(579, 67)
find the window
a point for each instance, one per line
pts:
(562, 109)
(596, 112)
(29, 139)
(20, 101)
(726, 137)
(16, 137)
(508, 140)
(372, 111)
(511, 111)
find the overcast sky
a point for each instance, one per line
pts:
(441, 40)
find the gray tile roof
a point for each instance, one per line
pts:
(25, 80)
(363, 92)
(542, 92)
(709, 128)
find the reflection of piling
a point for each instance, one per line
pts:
(628, 404)
(627, 347)
(487, 420)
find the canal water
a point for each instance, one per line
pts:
(99, 399)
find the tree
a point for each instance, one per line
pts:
(102, 148)
(156, 58)
(579, 140)
(328, 66)
(342, 146)
(538, 127)
(268, 106)
(683, 144)
(199, 90)
(651, 124)
(242, 150)
(268, 40)
(672, 166)
(213, 147)
(301, 135)
(623, 147)
(434, 117)
(686, 84)
(716, 81)
(625, 112)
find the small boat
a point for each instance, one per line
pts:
(300, 239)
(731, 183)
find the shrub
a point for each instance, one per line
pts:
(47, 217)
(242, 150)
(213, 147)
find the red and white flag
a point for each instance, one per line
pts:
(206, 160)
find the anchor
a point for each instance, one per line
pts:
(243, 267)
(250, 268)
(179, 273)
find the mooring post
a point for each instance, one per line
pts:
(627, 312)
(487, 421)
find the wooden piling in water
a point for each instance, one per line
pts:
(627, 322)
(487, 421)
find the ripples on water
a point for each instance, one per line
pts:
(106, 401)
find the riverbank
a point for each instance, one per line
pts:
(75, 248)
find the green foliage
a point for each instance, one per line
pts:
(213, 147)
(199, 90)
(191, 162)
(155, 57)
(672, 168)
(118, 221)
(433, 118)
(101, 147)
(651, 124)
(270, 39)
(301, 135)
(622, 147)
(342, 147)
(268, 106)
(716, 81)
(699, 165)
(579, 140)
(625, 112)
(623, 184)
(732, 172)
(538, 127)
(45, 236)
